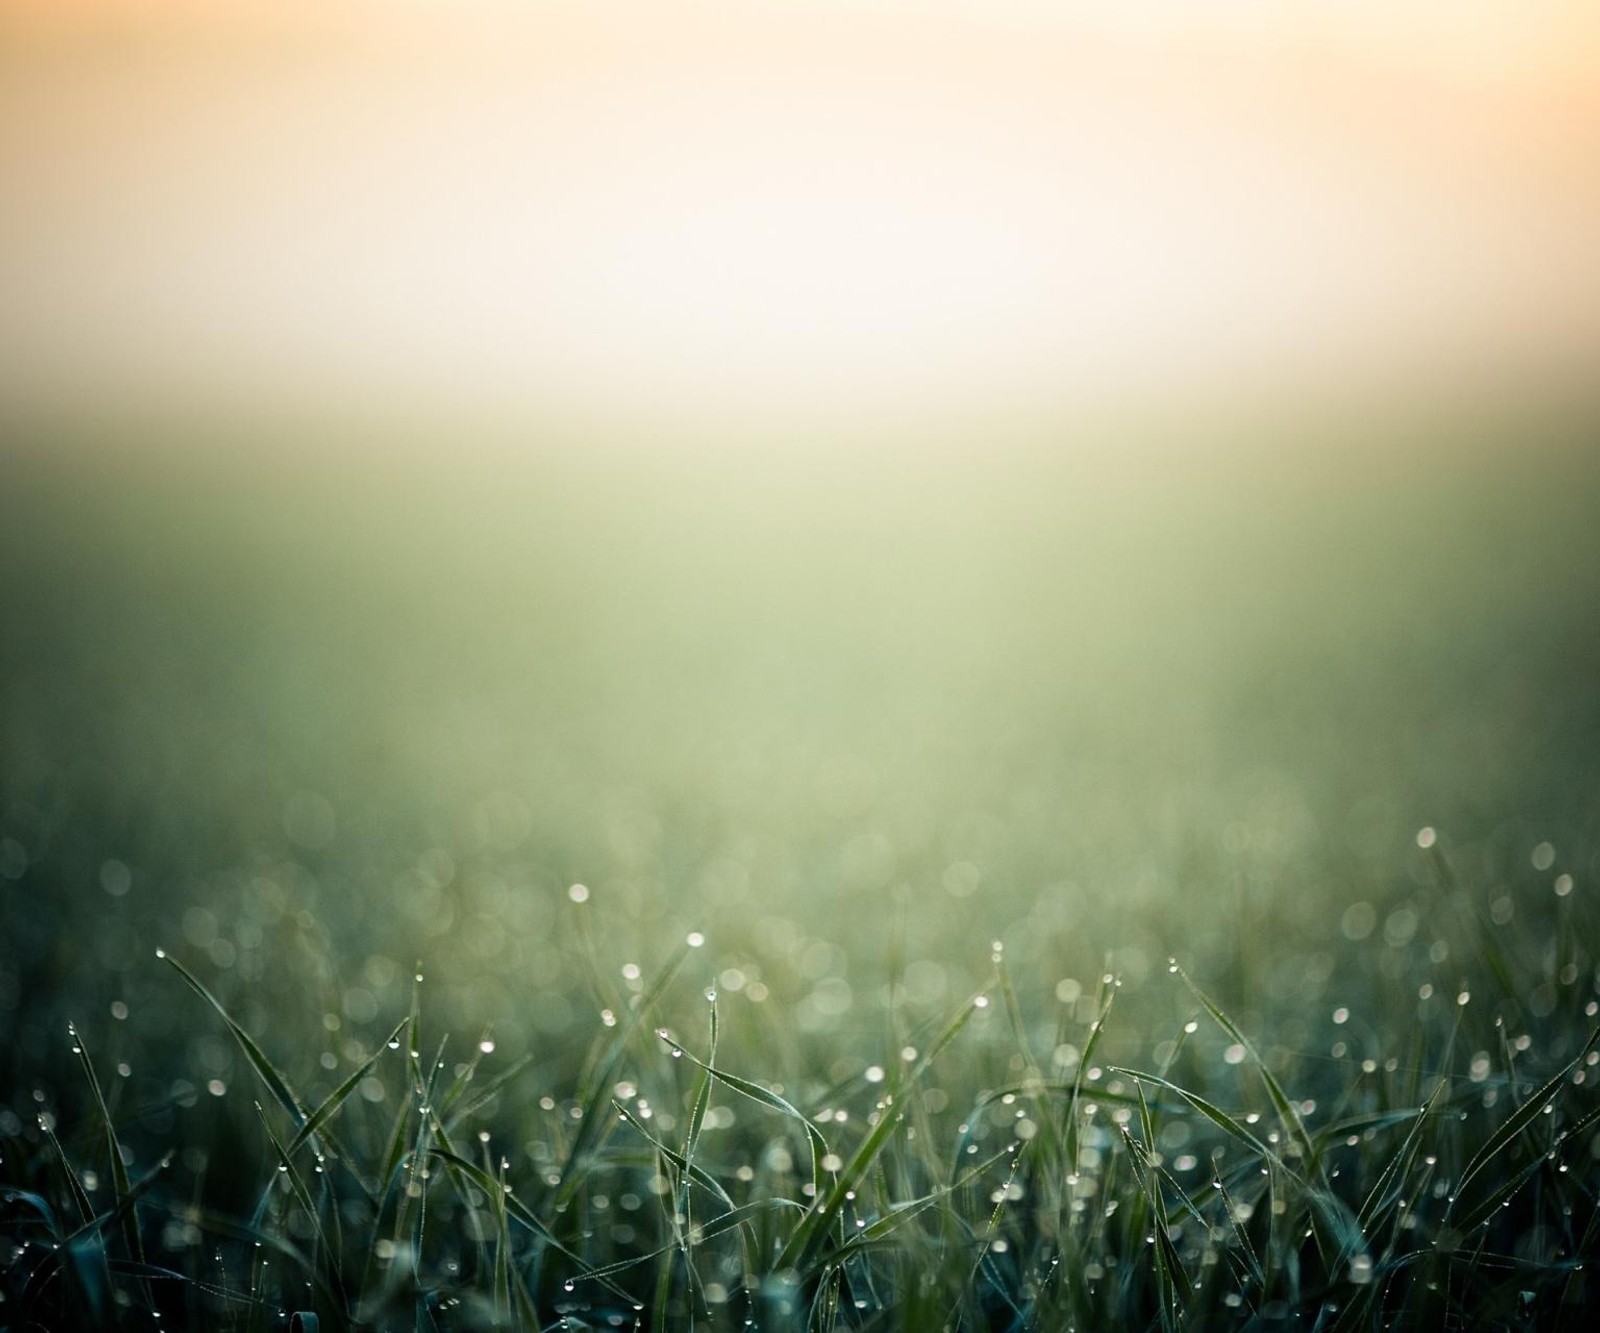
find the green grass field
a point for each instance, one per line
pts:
(978, 889)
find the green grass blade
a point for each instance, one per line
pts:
(337, 1098)
(1514, 1125)
(756, 1093)
(1212, 1112)
(1288, 1112)
(812, 1233)
(597, 1093)
(268, 1073)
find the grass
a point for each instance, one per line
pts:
(674, 1184)
(922, 769)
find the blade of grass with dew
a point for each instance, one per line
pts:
(1167, 1262)
(947, 1034)
(1508, 1187)
(141, 1269)
(1387, 1188)
(717, 1226)
(269, 1074)
(904, 1212)
(592, 1097)
(984, 1241)
(1070, 1111)
(756, 1093)
(337, 1098)
(489, 1091)
(690, 1170)
(465, 1073)
(1170, 1272)
(222, 1225)
(427, 1126)
(94, 1226)
(69, 1173)
(302, 1196)
(1523, 1117)
(812, 1233)
(1252, 1260)
(1212, 1112)
(1033, 1078)
(119, 1168)
(1287, 1111)
(519, 1212)
(697, 1115)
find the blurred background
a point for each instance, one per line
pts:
(1098, 478)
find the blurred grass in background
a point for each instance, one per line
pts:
(309, 721)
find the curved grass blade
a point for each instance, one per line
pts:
(756, 1093)
(950, 1032)
(903, 1212)
(302, 1196)
(1213, 1113)
(55, 1255)
(1070, 1111)
(1170, 1276)
(519, 1212)
(1288, 1112)
(489, 1091)
(717, 1226)
(275, 1082)
(809, 1236)
(690, 1170)
(1507, 1188)
(1524, 1116)
(119, 1168)
(337, 1098)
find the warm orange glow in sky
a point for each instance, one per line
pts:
(768, 210)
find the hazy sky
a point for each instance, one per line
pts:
(763, 210)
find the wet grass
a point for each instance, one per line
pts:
(1449, 1184)
(794, 862)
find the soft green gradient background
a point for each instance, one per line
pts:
(1181, 696)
